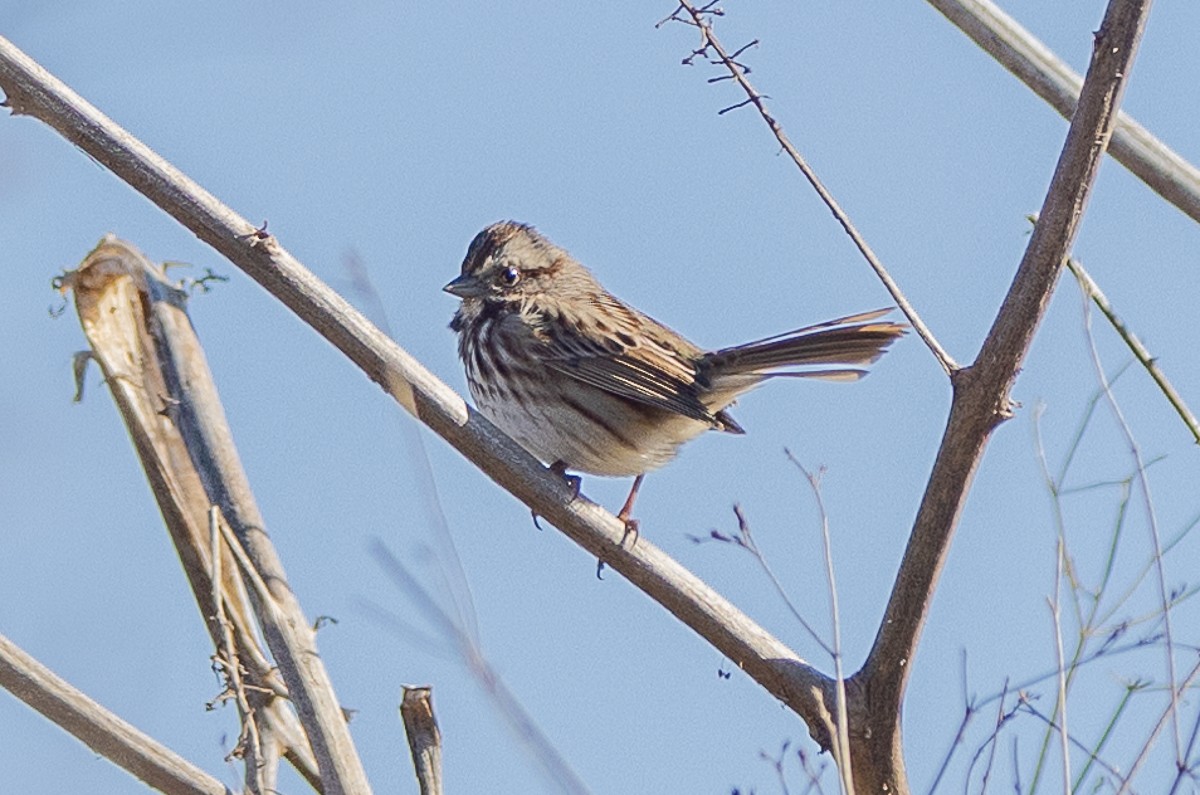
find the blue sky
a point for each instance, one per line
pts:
(396, 132)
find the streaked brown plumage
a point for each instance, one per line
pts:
(587, 383)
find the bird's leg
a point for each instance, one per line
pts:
(631, 525)
(574, 481)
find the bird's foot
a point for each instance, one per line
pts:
(574, 482)
(631, 529)
(626, 513)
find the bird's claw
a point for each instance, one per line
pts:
(631, 529)
(574, 482)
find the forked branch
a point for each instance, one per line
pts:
(981, 392)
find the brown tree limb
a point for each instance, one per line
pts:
(101, 730)
(1018, 51)
(31, 90)
(981, 392)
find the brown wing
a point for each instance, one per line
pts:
(630, 355)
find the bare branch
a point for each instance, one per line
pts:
(698, 18)
(981, 392)
(33, 91)
(1018, 51)
(1060, 706)
(99, 729)
(842, 747)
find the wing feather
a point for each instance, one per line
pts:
(632, 356)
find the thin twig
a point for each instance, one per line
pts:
(1060, 656)
(1092, 290)
(1130, 689)
(249, 746)
(1190, 771)
(994, 739)
(970, 709)
(814, 776)
(1143, 482)
(991, 742)
(777, 765)
(845, 768)
(1027, 707)
(698, 18)
(744, 539)
(1127, 781)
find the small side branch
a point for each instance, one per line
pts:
(249, 747)
(1093, 291)
(712, 49)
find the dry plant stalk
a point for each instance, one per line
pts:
(424, 737)
(699, 17)
(143, 341)
(1088, 285)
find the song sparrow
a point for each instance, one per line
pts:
(587, 383)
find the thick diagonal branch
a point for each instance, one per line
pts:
(33, 91)
(101, 730)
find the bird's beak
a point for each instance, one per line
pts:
(465, 286)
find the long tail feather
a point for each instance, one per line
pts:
(845, 341)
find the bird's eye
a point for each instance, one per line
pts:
(509, 276)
